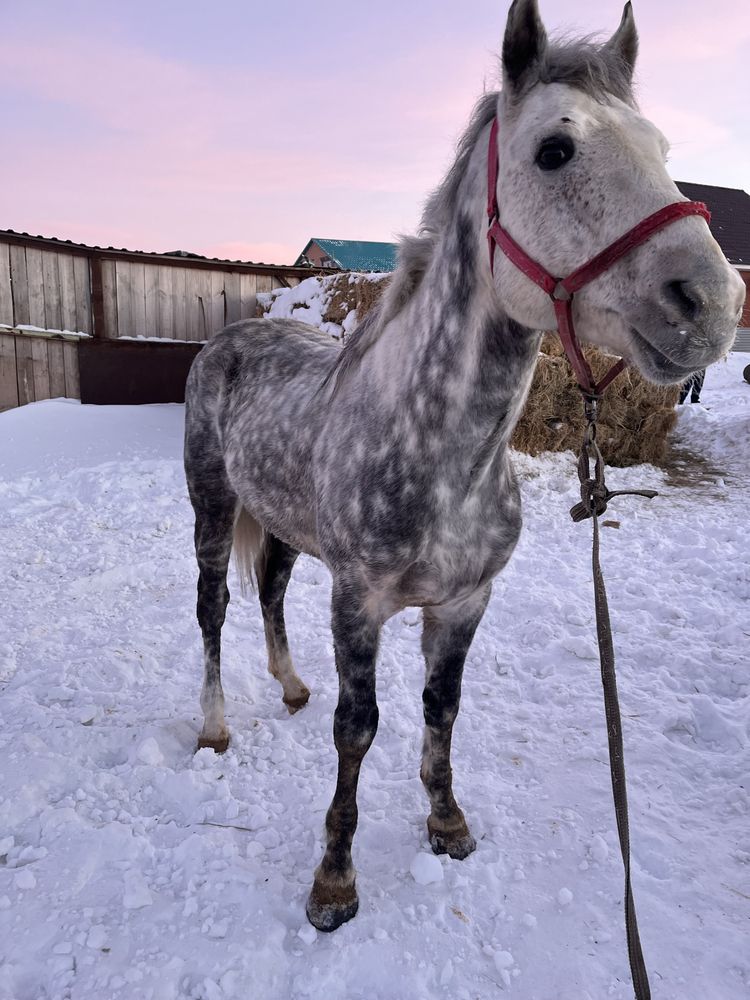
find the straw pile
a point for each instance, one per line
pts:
(636, 417)
(352, 291)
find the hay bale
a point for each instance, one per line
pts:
(369, 293)
(353, 293)
(341, 298)
(636, 417)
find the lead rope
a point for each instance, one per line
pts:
(594, 499)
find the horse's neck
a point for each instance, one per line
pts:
(452, 361)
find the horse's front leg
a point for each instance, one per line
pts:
(446, 638)
(333, 898)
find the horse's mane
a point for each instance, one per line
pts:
(580, 63)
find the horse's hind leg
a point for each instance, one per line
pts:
(215, 507)
(273, 567)
(446, 639)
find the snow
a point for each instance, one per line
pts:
(306, 302)
(132, 867)
(160, 340)
(47, 331)
(426, 868)
(309, 300)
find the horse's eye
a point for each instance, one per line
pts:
(555, 153)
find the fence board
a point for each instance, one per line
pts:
(6, 293)
(138, 302)
(192, 306)
(265, 283)
(41, 368)
(218, 302)
(109, 297)
(52, 298)
(8, 381)
(68, 317)
(82, 282)
(179, 303)
(20, 285)
(56, 366)
(35, 278)
(70, 363)
(203, 286)
(248, 288)
(151, 299)
(165, 303)
(232, 290)
(125, 322)
(24, 370)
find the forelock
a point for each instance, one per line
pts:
(582, 63)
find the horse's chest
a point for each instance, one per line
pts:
(424, 542)
(463, 550)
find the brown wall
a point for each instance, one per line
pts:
(316, 255)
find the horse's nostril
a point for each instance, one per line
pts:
(685, 296)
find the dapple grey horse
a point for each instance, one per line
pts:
(389, 459)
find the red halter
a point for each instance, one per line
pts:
(561, 290)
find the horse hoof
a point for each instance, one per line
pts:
(295, 704)
(218, 746)
(457, 843)
(328, 909)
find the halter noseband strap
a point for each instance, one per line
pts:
(562, 290)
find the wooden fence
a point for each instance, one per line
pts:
(54, 294)
(37, 367)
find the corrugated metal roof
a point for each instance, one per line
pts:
(356, 255)
(730, 217)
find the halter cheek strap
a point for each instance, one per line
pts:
(562, 290)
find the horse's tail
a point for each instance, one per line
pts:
(249, 550)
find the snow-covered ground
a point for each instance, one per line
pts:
(132, 867)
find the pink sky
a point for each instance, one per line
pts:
(242, 129)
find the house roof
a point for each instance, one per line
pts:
(356, 255)
(730, 218)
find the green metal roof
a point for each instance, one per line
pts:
(357, 255)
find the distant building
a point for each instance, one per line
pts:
(730, 226)
(348, 255)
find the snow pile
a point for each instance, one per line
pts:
(335, 303)
(133, 868)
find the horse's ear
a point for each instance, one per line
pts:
(524, 43)
(624, 42)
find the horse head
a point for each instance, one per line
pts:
(578, 167)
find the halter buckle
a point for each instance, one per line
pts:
(561, 293)
(590, 408)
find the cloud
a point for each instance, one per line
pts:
(175, 154)
(322, 136)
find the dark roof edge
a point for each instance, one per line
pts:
(717, 187)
